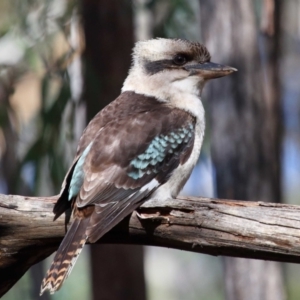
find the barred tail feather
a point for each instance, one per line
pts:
(66, 256)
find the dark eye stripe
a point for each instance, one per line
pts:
(153, 67)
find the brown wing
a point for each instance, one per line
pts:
(131, 154)
(129, 159)
(120, 158)
(127, 104)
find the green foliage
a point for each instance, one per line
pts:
(34, 27)
(48, 142)
(40, 30)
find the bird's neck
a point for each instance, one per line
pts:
(182, 94)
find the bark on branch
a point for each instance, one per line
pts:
(213, 226)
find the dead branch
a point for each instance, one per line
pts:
(213, 226)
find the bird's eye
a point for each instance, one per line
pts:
(180, 59)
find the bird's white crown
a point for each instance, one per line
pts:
(161, 48)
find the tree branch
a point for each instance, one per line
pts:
(218, 227)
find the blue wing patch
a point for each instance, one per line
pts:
(158, 149)
(78, 174)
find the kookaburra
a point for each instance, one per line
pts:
(142, 146)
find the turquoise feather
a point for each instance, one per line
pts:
(78, 174)
(157, 151)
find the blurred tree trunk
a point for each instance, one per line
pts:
(246, 126)
(109, 37)
(9, 162)
(117, 271)
(8, 147)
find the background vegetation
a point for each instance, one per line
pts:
(63, 60)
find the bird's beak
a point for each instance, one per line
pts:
(209, 70)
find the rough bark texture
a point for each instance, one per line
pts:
(260, 230)
(108, 28)
(245, 128)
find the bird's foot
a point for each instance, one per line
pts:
(155, 217)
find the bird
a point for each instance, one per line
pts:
(142, 146)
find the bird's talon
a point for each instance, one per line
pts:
(154, 217)
(141, 216)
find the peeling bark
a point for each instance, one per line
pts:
(259, 230)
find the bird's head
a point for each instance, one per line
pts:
(162, 67)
